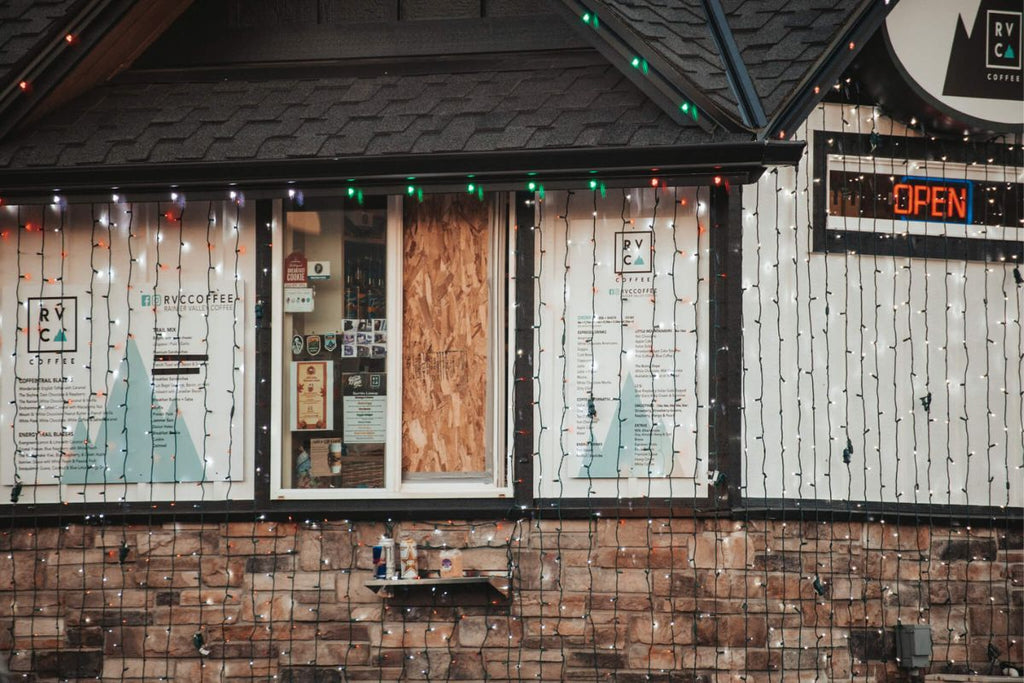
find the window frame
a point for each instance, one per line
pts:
(501, 483)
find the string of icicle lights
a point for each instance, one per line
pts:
(867, 376)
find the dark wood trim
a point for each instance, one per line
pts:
(819, 190)
(725, 345)
(246, 510)
(813, 510)
(263, 315)
(407, 508)
(626, 508)
(51, 515)
(919, 246)
(370, 67)
(189, 45)
(522, 373)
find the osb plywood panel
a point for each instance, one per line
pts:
(444, 334)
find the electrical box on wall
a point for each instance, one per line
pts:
(914, 645)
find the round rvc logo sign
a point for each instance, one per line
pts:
(962, 58)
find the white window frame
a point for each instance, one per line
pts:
(500, 338)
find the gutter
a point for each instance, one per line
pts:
(741, 162)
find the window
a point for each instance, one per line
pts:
(390, 344)
(126, 351)
(621, 344)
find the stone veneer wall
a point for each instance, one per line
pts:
(624, 600)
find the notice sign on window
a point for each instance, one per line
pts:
(899, 196)
(295, 270)
(364, 406)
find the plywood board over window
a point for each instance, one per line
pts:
(445, 321)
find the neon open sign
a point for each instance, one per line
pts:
(933, 199)
(876, 194)
(858, 195)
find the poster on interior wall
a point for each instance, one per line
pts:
(630, 348)
(312, 395)
(365, 404)
(93, 405)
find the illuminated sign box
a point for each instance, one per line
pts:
(917, 197)
(933, 199)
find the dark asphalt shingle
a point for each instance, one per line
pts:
(781, 40)
(24, 26)
(557, 107)
(677, 30)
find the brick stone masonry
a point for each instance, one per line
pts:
(622, 600)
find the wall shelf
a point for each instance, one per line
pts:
(500, 584)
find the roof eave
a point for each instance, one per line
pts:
(48, 67)
(740, 161)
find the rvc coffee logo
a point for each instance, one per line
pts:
(634, 252)
(1003, 49)
(52, 324)
(985, 60)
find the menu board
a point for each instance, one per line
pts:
(116, 368)
(628, 398)
(364, 406)
(627, 302)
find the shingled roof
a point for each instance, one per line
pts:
(260, 119)
(699, 51)
(782, 40)
(25, 25)
(677, 35)
(745, 62)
